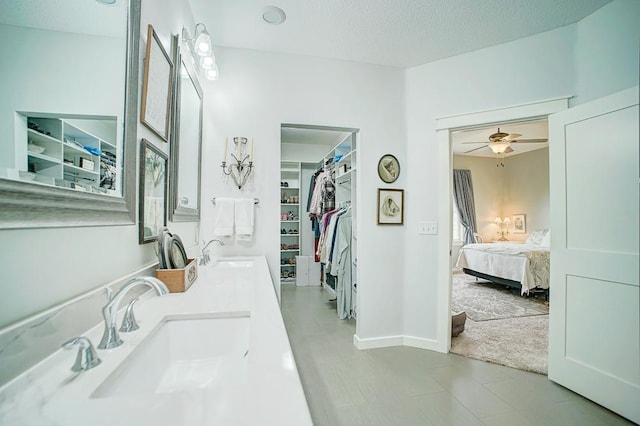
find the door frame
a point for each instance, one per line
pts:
(444, 127)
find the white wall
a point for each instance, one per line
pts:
(541, 67)
(44, 267)
(256, 93)
(303, 152)
(606, 51)
(471, 82)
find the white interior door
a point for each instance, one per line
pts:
(594, 332)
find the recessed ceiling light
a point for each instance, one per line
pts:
(273, 15)
(107, 1)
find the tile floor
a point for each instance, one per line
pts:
(409, 386)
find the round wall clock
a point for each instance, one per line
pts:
(388, 168)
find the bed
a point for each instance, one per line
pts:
(524, 266)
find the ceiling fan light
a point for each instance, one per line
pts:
(499, 147)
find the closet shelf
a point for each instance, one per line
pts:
(289, 221)
(289, 250)
(289, 204)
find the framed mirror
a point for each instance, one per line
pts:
(186, 141)
(68, 114)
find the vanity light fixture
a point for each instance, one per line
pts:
(201, 50)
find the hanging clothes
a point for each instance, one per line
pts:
(342, 268)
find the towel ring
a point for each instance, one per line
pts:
(255, 201)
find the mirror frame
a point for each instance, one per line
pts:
(25, 205)
(178, 213)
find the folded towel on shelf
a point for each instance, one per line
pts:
(244, 218)
(224, 217)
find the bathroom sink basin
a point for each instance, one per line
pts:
(240, 263)
(184, 353)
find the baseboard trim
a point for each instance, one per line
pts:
(387, 341)
(422, 343)
(377, 342)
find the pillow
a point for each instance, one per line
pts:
(546, 241)
(536, 237)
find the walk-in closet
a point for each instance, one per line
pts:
(318, 232)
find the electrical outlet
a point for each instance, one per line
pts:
(428, 228)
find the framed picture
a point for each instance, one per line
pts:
(153, 192)
(388, 168)
(390, 206)
(519, 224)
(156, 87)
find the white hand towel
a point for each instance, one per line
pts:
(224, 217)
(244, 214)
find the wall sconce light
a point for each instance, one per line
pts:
(503, 227)
(242, 165)
(201, 50)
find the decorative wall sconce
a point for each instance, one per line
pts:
(201, 50)
(242, 165)
(503, 227)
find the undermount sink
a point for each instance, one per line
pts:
(239, 263)
(184, 353)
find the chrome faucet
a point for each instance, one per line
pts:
(87, 357)
(110, 338)
(204, 258)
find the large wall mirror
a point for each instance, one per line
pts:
(186, 142)
(68, 112)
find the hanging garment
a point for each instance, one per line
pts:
(344, 287)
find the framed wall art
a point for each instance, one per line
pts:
(519, 224)
(153, 192)
(156, 87)
(388, 168)
(390, 206)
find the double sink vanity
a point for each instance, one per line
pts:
(217, 354)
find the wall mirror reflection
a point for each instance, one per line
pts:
(65, 91)
(186, 142)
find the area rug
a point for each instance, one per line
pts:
(484, 301)
(502, 327)
(520, 343)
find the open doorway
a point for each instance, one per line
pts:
(318, 232)
(445, 128)
(500, 274)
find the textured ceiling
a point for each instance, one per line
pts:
(401, 33)
(73, 16)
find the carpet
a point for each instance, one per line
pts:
(502, 327)
(484, 301)
(520, 343)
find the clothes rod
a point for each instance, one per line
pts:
(255, 201)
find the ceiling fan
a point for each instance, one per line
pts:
(500, 144)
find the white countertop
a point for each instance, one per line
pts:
(272, 394)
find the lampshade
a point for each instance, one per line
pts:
(497, 221)
(202, 43)
(499, 147)
(506, 221)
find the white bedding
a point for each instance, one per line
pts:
(525, 263)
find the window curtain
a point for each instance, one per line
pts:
(463, 196)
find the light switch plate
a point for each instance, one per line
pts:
(428, 228)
